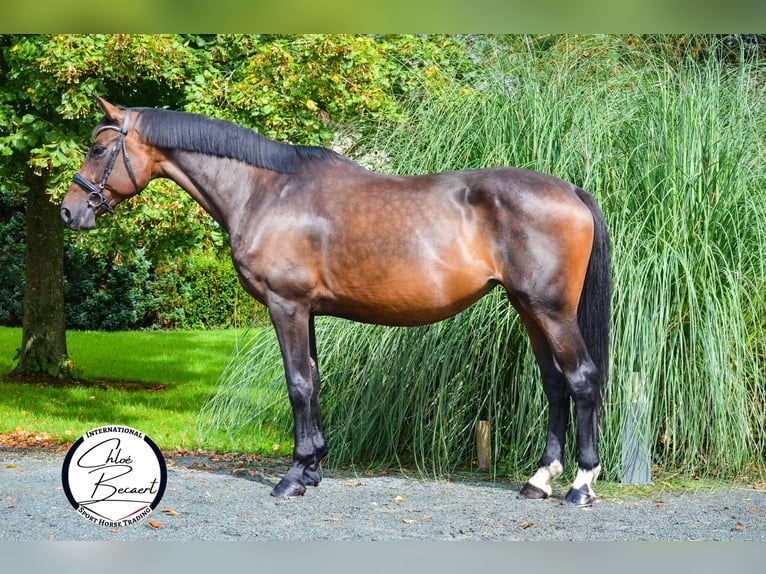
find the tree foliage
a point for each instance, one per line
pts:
(294, 88)
(299, 88)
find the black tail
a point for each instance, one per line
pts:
(594, 311)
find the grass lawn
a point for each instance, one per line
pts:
(155, 382)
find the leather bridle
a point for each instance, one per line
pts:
(96, 197)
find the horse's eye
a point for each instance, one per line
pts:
(97, 151)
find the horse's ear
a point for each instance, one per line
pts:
(110, 111)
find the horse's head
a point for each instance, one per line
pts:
(118, 166)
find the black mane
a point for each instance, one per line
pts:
(197, 133)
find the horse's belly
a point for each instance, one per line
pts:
(408, 302)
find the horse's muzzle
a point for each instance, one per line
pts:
(78, 219)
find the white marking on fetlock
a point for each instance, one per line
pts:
(544, 475)
(585, 478)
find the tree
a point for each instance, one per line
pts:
(43, 347)
(45, 116)
(24, 137)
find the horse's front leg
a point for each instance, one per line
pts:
(311, 476)
(295, 332)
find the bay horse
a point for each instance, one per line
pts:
(313, 233)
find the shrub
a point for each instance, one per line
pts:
(200, 291)
(12, 255)
(102, 295)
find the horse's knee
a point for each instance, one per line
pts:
(299, 390)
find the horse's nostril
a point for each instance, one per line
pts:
(66, 215)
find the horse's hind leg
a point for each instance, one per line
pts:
(567, 369)
(555, 387)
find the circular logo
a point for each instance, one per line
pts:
(114, 476)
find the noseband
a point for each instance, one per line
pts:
(96, 197)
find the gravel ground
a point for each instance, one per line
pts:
(214, 500)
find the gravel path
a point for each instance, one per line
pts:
(209, 500)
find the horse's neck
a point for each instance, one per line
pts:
(217, 184)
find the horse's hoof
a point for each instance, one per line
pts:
(531, 492)
(311, 478)
(579, 497)
(288, 489)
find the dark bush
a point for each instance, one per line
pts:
(103, 295)
(12, 254)
(200, 291)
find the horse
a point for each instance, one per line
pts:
(313, 233)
